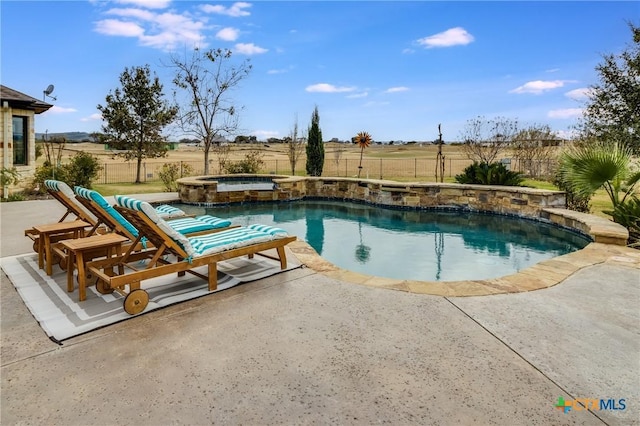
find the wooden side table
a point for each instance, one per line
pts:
(46, 232)
(76, 251)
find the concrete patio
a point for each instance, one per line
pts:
(310, 347)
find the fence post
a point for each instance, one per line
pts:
(144, 171)
(415, 167)
(449, 166)
(381, 169)
(104, 166)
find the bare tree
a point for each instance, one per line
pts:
(337, 156)
(296, 147)
(203, 82)
(485, 139)
(533, 148)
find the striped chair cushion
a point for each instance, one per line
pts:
(146, 208)
(97, 198)
(166, 211)
(204, 245)
(186, 225)
(59, 186)
(216, 222)
(271, 230)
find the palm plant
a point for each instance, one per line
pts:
(609, 166)
(363, 140)
(587, 168)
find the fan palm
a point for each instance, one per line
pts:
(363, 140)
(600, 165)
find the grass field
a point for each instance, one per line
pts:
(278, 152)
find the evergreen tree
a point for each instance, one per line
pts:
(135, 116)
(612, 112)
(315, 147)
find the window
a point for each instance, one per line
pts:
(20, 141)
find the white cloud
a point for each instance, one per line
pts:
(119, 28)
(236, 10)
(358, 95)
(539, 86)
(132, 13)
(553, 70)
(580, 94)
(92, 117)
(396, 89)
(408, 51)
(164, 31)
(265, 134)
(149, 4)
(328, 88)
(452, 37)
(280, 71)
(60, 110)
(565, 113)
(249, 49)
(228, 34)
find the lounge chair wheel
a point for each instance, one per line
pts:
(35, 245)
(136, 301)
(63, 263)
(103, 287)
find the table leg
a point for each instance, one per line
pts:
(70, 261)
(48, 254)
(40, 251)
(82, 278)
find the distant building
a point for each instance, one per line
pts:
(18, 141)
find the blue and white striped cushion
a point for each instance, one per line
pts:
(166, 211)
(271, 230)
(215, 222)
(97, 198)
(146, 208)
(226, 240)
(59, 186)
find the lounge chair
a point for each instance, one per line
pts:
(186, 253)
(108, 216)
(63, 193)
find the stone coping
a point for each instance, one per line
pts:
(542, 275)
(600, 230)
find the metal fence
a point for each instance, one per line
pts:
(381, 168)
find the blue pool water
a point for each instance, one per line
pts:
(409, 244)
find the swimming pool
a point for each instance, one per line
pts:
(424, 245)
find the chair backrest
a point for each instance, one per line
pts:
(61, 192)
(95, 202)
(156, 229)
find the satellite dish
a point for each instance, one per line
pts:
(47, 92)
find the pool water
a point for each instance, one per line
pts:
(422, 245)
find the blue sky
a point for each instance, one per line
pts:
(395, 69)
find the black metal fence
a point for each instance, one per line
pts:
(381, 168)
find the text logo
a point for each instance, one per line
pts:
(593, 404)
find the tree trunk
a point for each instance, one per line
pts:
(138, 168)
(206, 159)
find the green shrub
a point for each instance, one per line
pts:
(82, 170)
(171, 172)
(47, 171)
(575, 201)
(252, 163)
(9, 176)
(489, 174)
(627, 214)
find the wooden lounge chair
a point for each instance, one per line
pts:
(106, 215)
(63, 193)
(186, 253)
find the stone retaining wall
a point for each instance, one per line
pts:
(517, 201)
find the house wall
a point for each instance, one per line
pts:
(6, 147)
